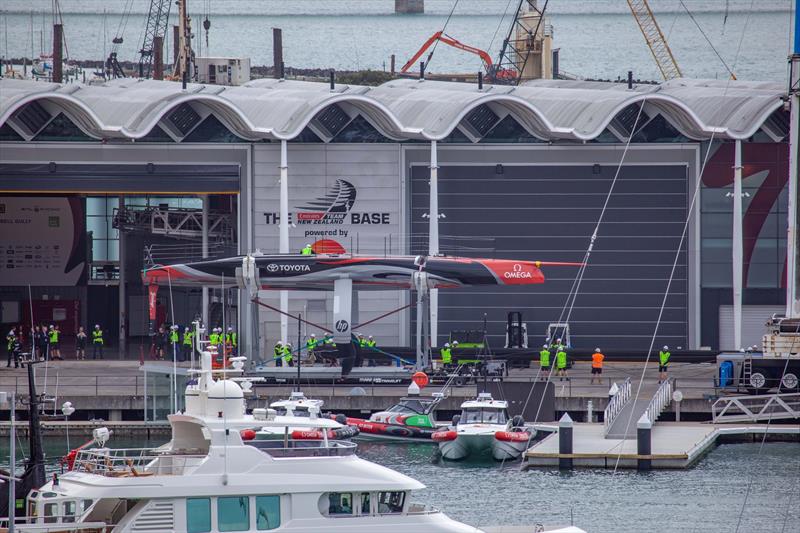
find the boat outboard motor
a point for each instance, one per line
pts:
(456, 420)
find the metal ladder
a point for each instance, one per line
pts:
(747, 371)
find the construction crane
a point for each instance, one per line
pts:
(527, 52)
(655, 39)
(455, 43)
(183, 68)
(157, 24)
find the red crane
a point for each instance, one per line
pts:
(455, 43)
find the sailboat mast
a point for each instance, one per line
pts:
(792, 309)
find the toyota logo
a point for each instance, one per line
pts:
(342, 326)
(272, 267)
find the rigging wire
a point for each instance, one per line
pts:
(444, 27)
(678, 251)
(703, 33)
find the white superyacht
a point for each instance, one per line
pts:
(208, 478)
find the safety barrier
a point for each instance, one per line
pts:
(661, 399)
(756, 408)
(616, 403)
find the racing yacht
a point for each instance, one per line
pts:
(483, 428)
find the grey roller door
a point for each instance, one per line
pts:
(754, 317)
(548, 213)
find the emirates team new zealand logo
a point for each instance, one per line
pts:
(331, 208)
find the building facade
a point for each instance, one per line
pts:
(537, 172)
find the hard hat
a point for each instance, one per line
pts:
(230, 328)
(455, 342)
(186, 328)
(666, 347)
(313, 335)
(370, 336)
(278, 343)
(174, 326)
(447, 345)
(558, 339)
(544, 346)
(308, 245)
(289, 344)
(97, 326)
(597, 349)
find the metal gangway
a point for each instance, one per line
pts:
(756, 408)
(621, 424)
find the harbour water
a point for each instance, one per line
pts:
(737, 487)
(597, 38)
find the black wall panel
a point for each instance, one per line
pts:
(548, 213)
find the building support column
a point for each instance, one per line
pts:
(123, 308)
(283, 242)
(433, 240)
(794, 123)
(204, 223)
(738, 256)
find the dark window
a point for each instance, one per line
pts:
(184, 118)
(332, 119)
(659, 130)
(156, 135)
(7, 133)
(340, 503)
(33, 117)
(360, 131)
(211, 130)
(456, 136)
(509, 130)
(61, 128)
(391, 502)
(306, 136)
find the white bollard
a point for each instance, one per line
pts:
(589, 413)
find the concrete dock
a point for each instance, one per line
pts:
(115, 389)
(674, 444)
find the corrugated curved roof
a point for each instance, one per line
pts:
(404, 109)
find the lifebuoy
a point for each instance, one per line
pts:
(512, 436)
(248, 434)
(443, 436)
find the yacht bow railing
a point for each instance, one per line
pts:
(616, 403)
(136, 462)
(280, 449)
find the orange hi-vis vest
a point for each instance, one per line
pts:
(597, 360)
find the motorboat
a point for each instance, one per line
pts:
(302, 420)
(483, 428)
(410, 419)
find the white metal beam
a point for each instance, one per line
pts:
(433, 239)
(283, 242)
(738, 245)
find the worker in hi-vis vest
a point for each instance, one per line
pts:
(447, 355)
(561, 364)
(307, 250)
(663, 363)
(97, 341)
(597, 366)
(277, 354)
(288, 357)
(188, 345)
(544, 362)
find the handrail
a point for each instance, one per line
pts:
(660, 400)
(755, 408)
(135, 462)
(24, 524)
(616, 403)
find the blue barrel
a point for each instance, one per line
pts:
(726, 373)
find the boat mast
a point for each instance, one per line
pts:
(792, 310)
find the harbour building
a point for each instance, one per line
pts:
(101, 181)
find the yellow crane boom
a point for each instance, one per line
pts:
(655, 39)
